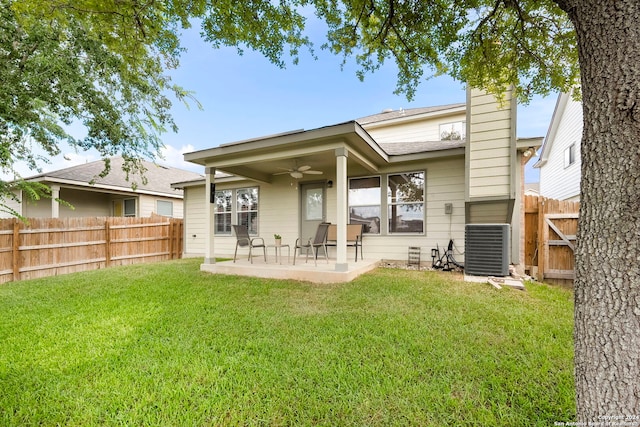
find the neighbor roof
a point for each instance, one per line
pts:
(159, 177)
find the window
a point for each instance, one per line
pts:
(164, 208)
(364, 203)
(570, 155)
(245, 209)
(130, 207)
(405, 202)
(452, 131)
(222, 215)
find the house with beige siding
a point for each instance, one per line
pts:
(413, 178)
(87, 194)
(559, 161)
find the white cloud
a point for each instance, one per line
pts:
(173, 157)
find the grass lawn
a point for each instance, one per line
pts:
(164, 344)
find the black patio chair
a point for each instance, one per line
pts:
(243, 240)
(319, 241)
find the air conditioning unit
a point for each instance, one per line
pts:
(486, 251)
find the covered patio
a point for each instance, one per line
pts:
(333, 152)
(323, 272)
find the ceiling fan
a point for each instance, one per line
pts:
(299, 171)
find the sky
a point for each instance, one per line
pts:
(245, 96)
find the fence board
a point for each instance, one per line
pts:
(52, 246)
(550, 233)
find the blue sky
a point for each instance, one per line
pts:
(246, 96)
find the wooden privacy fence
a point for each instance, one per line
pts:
(50, 246)
(550, 236)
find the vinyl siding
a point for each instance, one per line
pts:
(279, 204)
(444, 184)
(90, 204)
(277, 213)
(147, 205)
(12, 204)
(490, 140)
(85, 203)
(556, 181)
(424, 130)
(195, 220)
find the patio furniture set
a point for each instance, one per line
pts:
(326, 236)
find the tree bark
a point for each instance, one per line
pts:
(607, 285)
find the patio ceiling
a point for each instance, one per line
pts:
(259, 159)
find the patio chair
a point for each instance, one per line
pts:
(354, 237)
(243, 240)
(319, 241)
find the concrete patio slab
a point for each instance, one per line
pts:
(323, 272)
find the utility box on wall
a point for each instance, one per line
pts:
(486, 249)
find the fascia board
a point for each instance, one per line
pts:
(558, 112)
(104, 188)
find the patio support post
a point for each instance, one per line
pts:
(341, 209)
(209, 246)
(55, 206)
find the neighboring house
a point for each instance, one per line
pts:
(559, 161)
(413, 177)
(112, 195)
(532, 189)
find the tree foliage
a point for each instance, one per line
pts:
(489, 44)
(102, 64)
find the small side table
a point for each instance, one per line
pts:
(278, 248)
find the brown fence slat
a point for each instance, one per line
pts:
(550, 233)
(52, 246)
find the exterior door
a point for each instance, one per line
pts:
(312, 209)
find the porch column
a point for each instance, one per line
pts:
(209, 227)
(341, 209)
(55, 206)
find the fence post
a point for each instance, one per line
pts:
(541, 239)
(16, 249)
(107, 243)
(171, 232)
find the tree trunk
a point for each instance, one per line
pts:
(607, 285)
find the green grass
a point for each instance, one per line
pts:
(165, 344)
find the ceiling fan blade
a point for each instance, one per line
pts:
(313, 172)
(296, 174)
(303, 168)
(282, 173)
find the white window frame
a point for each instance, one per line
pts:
(135, 208)
(235, 213)
(570, 155)
(223, 216)
(369, 228)
(385, 204)
(399, 203)
(167, 204)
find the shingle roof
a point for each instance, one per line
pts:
(159, 177)
(395, 114)
(401, 148)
